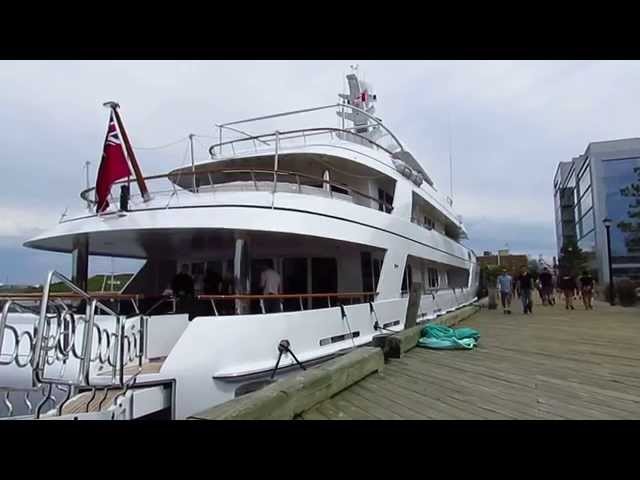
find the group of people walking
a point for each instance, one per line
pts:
(547, 285)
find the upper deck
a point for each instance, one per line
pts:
(328, 158)
(365, 165)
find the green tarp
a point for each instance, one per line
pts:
(445, 338)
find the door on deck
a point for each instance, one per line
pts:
(294, 280)
(324, 279)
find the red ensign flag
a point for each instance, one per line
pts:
(114, 165)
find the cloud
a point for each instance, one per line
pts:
(525, 237)
(505, 124)
(22, 222)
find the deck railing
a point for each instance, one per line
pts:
(61, 339)
(256, 179)
(280, 298)
(375, 123)
(302, 137)
(279, 139)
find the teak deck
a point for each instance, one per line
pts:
(554, 364)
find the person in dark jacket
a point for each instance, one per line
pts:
(586, 288)
(212, 283)
(182, 286)
(546, 281)
(228, 307)
(525, 286)
(567, 284)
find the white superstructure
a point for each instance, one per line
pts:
(346, 215)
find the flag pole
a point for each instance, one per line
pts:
(129, 151)
(193, 164)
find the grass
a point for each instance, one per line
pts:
(96, 283)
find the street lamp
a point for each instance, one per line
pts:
(607, 224)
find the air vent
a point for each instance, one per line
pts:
(339, 338)
(391, 324)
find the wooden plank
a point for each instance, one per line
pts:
(328, 409)
(424, 407)
(493, 399)
(313, 414)
(352, 409)
(438, 394)
(379, 396)
(512, 398)
(372, 407)
(449, 394)
(577, 369)
(78, 404)
(287, 398)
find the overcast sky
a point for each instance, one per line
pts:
(510, 124)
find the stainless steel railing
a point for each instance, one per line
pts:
(286, 136)
(62, 347)
(214, 177)
(376, 122)
(338, 299)
(278, 137)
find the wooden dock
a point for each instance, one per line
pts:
(554, 364)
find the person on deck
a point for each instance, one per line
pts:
(586, 287)
(553, 286)
(538, 285)
(525, 286)
(227, 307)
(212, 283)
(567, 284)
(505, 287)
(183, 290)
(546, 281)
(271, 285)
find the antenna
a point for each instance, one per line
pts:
(193, 164)
(86, 168)
(450, 162)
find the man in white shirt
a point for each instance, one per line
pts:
(271, 285)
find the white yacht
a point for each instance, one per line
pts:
(347, 217)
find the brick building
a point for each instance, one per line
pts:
(513, 263)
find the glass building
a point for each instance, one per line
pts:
(565, 203)
(603, 182)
